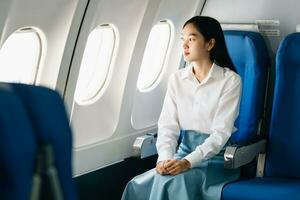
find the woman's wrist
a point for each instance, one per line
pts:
(186, 163)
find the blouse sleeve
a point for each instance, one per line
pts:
(222, 126)
(168, 125)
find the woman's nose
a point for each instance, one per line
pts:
(184, 45)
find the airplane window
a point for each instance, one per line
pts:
(95, 64)
(20, 56)
(154, 56)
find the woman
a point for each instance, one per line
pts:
(202, 99)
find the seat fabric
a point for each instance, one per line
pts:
(17, 147)
(248, 53)
(49, 120)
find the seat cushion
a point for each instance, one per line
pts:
(263, 189)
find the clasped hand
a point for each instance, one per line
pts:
(172, 167)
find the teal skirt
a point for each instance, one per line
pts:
(202, 183)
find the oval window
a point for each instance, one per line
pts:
(95, 63)
(155, 55)
(20, 56)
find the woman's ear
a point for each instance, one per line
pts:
(211, 43)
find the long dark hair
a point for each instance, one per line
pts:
(211, 28)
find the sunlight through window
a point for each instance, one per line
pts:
(20, 56)
(155, 56)
(95, 63)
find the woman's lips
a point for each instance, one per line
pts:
(186, 53)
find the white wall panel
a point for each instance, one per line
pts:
(95, 124)
(98, 121)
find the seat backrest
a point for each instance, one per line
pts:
(284, 138)
(17, 147)
(249, 55)
(48, 117)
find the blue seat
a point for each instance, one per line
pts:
(282, 175)
(17, 148)
(249, 55)
(46, 111)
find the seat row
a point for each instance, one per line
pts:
(36, 117)
(278, 161)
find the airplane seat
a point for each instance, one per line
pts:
(249, 55)
(17, 148)
(46, 111)
(281, 176)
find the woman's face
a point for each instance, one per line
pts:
(194, 46)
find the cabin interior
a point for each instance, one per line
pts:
(109, 61)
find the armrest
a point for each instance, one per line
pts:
(235, 156)
(144, 146)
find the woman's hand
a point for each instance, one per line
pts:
(175, 167)
(160, 167)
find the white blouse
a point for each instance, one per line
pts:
(209, 107)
